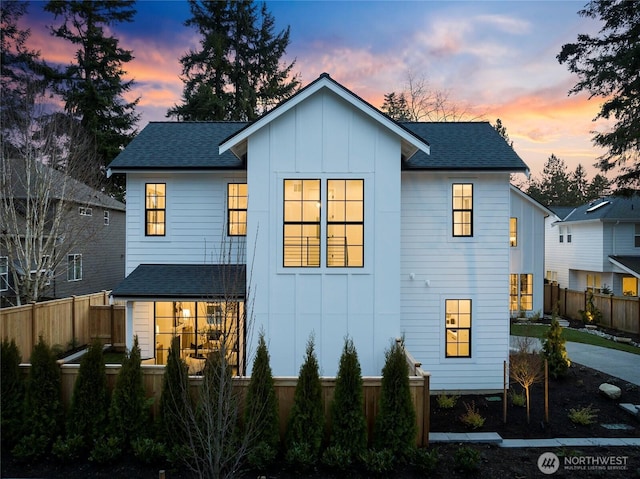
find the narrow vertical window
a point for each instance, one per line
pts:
(462, 209)
(237, 209)
(458, 328)
(561, 234)
(636, 239)
(301, 223)
(4, 273)
(568, 234)
(155, 209)
(526, 292)
(106, 218)
(345, 223)
(513, 232)
(514, 300)
(74, 267)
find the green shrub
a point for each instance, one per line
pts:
(300, 457)
(69, 449)
(349, 432)
(90, 400)
(395, 427)
(591, 314)
(129, 412)
(305, 429)
(261, 411)
(584, 416)
(336, 457)
(106, 450)
(425, 460)
(554, 351)
(148, 451)
(446, 402)
(11, 393)
(517, 399)
(43, 411)
(466, 459)
(378, 462)
(472, 417)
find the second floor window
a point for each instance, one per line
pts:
(345, 223)
(462, 209)
(513, 231)
(637, 236)
(155, 209)
(106, 218)
(237, 209)
(301, 223)
(74, 267)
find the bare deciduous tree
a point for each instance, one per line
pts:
(525, 368)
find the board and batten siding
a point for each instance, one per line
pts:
(196, 216)
(324, 137)
(435, 267)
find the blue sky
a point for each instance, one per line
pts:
(495, 59)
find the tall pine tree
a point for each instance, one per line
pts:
(237, 73)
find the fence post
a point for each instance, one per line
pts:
(426, 410)
(34, 333)
(73, 318)
(111, 321)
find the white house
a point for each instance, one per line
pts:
(596, 246)
(328, 219)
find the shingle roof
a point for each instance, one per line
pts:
(610, 208)
(194, 145)
(179, 145)
(463, 146)
(632, 263)
(194, 281)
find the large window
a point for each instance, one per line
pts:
(629, 286)
(458, 328)
(4, 273)
(345, 223)
(74, 267)
(155, 209)
(513, 231)
(462, 209)
(237, 209)
(521, 292)
(301, 223)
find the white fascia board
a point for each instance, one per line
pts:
(313, 89)
(531, 200)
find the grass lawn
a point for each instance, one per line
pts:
(538, 330)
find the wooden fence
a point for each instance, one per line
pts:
(64, 322)
(618, 312)
(153, 376)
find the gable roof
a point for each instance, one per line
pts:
(610, 208)
(631, 264)
(411, 143)
(463, 146)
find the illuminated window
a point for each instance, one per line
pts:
(593, 282)
(462, 209)
(513, 231)
(155, 209)
(345, 223)
(629, 286)
(521, 292)
(74, 267)
(301, 223)
(4, 273)
(237, 209)
(458, 328)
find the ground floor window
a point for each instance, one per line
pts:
(458, 328)
(594, 283)
(521, 292)
(203, 327)
(629, 286)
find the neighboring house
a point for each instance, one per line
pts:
(336, 221)
(90, 257)
(526, 239)
(595, 246)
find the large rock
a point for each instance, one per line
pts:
(611, 391)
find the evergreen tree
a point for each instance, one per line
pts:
(598, 188)
(93, 88)
(554, 351)
(237, 74)
(305, 429)
(43, 411)
(349, 431)
(90, 400)
(11, 393)
(502, 130)
(261, 410)
(129, 412)
(578, 185)
(607, 67)
(175, 398)
(395, 106)
(395, 427)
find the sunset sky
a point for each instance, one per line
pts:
(497, 59)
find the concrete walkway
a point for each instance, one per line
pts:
(619, 364)
(495, 438)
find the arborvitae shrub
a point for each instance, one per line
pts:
(554, 351)
(395, 428)
(261, 410)
(306, 420)
(43, 411)
(175, 399)
(349, 431)
(129, 412)
(90, 400)
(11, 393)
